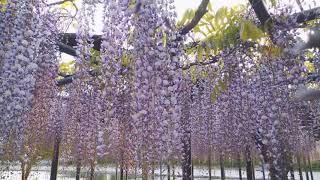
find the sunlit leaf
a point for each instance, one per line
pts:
(125, 60)
(68, 4)
(310, 66)
(210, 6)
(194, 74)
(3, 4)
(187, 17)
(250, 32)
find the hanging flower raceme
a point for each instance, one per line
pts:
(21, 53)
(41, 117)
(85, 114)
(271, 105)
(137, 61)
(157, 80)
(117, 81)
(257, 107)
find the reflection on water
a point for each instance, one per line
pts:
(109, 173)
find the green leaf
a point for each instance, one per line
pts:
(199, 54)
(215, 94)
(272, 2)
(213, 97)
(222, 84)
(132, 4)
(193, 73)
(94, 53)
(187, 16)
(67, 4)
(3, 2)
(125, 60)
(210, 7)
(309, 54)
(67, 67)
(250, 32)
(220, 15)
(2, 5)
(310, 66)
(196, 29)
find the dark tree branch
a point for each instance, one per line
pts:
(300, 17)
(70, 40)
(304, 16)
(66, 49)
(201, 11)
(212, 60)
(261, 11)
(59, 2)
(299, 4)
(65, 80)
(296, 18)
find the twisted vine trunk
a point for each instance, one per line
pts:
(26, 167)
(126, 175)
(223, 175)
(192, 167)
(253, 172)
(291, 169)
(277, 174)
(152, 172)
(249, 164)
(23, 170)
(92, 167)
(173, 173)
(55, 159)
(168, 167)
(121, 171)
(78, 169)
(135, 173)
(280, 167)
(263, 171)
(209, 165)
(239, 166)
(145, 171)
(160, 170)
(116, 171)
(305, 167)
(310, 168)
(299, 167)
